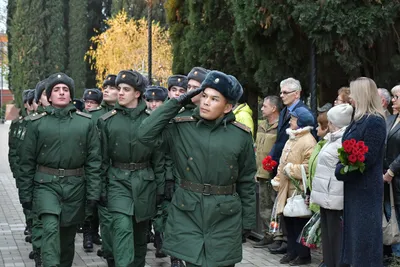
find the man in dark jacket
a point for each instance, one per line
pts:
(215, 165)
(57, 180)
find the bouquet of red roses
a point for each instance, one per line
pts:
(352, 156)
(269, 164)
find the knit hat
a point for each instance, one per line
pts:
(58, 78)
(197, 74)
(110, 80)
(340, 115)
(40, 87)
(93, 94)
(178, 80)
(304, 117)
(230, 88)
(132, 78)
(156, 93)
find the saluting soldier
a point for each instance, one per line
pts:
(214, 162)
(56, 179)
(132, 172)
(195, 77)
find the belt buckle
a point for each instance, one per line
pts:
(206, 189)
(61, 173)
(132, 166)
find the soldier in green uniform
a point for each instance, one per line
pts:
(177, 85)
(215, 164)
(57, 180)
(92, 99)
(195, 77)
(110, 93)
(132, 173)
(110, 97)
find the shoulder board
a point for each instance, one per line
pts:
(183, 119)
(35, 116)
(241, 126)
(108, 115)
(182, 110)
(95, 109)
(83, 114)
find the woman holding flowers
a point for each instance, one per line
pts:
(360, 168)
(327, 191)
(297, 152)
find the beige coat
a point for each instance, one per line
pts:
(266, 137)
(297, 152)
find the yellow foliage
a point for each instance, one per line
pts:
(124, 46)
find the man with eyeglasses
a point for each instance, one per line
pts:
(290, 95)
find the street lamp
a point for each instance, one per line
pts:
(149, 47)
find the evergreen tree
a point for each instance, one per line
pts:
(138, 9)
(56, 36)
(11, 5)
(78, 43)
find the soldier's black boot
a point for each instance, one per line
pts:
(176, 262)
(32, 255)
(38, 259)
(28, 227)
(158, 245)
(87, 238)
(79, 228)
(100, 253)
(28, 238)
(110, 262)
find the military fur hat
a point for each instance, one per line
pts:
(40, 87)
(110, 80)
(237, 88)
(58, 78)
(93, 94)
(198, 74)
(78, 103)
(156, 93)
(31, 96)
(133, 78)
(25, 96)
(178, 80)
(224, 84)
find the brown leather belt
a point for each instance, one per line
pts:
(61, 172)
(131, 166)
(208, 189)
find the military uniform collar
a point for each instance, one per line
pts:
(94, 109)
(230, 117)
(107, 106)
(141, 107)
(61, 112)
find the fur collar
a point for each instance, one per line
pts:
(299, 132)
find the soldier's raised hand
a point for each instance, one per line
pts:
(186, 98)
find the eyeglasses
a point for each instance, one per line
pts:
(395, 97)
(286, 93)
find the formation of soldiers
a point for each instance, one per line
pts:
(130, 160)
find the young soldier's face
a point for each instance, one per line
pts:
(176, 91)
(193, 84)
(91, 104)
(43, 99)
(153, 104)
(110, 94)
(60, 96)
(213, 105)
(127, 96)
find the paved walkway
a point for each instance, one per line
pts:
(14, 250)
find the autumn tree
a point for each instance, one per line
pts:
(124, 46)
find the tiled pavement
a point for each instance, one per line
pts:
(14, 250)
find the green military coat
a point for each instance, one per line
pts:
(129, 192)
(14, 134)
(60, 139)
(206, 230)
(96, 112)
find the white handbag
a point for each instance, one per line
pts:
(391, 233)
(295, 205)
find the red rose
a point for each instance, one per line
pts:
(360, 144)
(274, 163)
(365, 149)
(361, 158)
(352, 158)
(352, 142)
(346, 143)
(354, 151)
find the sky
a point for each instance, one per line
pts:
(3, 15)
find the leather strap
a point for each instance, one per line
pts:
(131, 166)
(208, 189)
(61, 172)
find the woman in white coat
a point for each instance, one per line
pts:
(327, 191)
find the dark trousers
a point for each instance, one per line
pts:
(294, 226)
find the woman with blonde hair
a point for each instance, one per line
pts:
(363, 192)
(343, 96)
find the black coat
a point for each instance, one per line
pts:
(392, 156)
(363, 195)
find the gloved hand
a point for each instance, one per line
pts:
(169, 189)
(159, 199)
(186, 98)
(103, 201)
(27, 205)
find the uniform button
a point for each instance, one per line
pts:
(45, 145)
(41, 180)
(42, 153)
(126, 173)
(231, 167)
(116, 144)
(190, 158)
(183, 205)
(231, 177)
(231, 210)
(188, 169)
